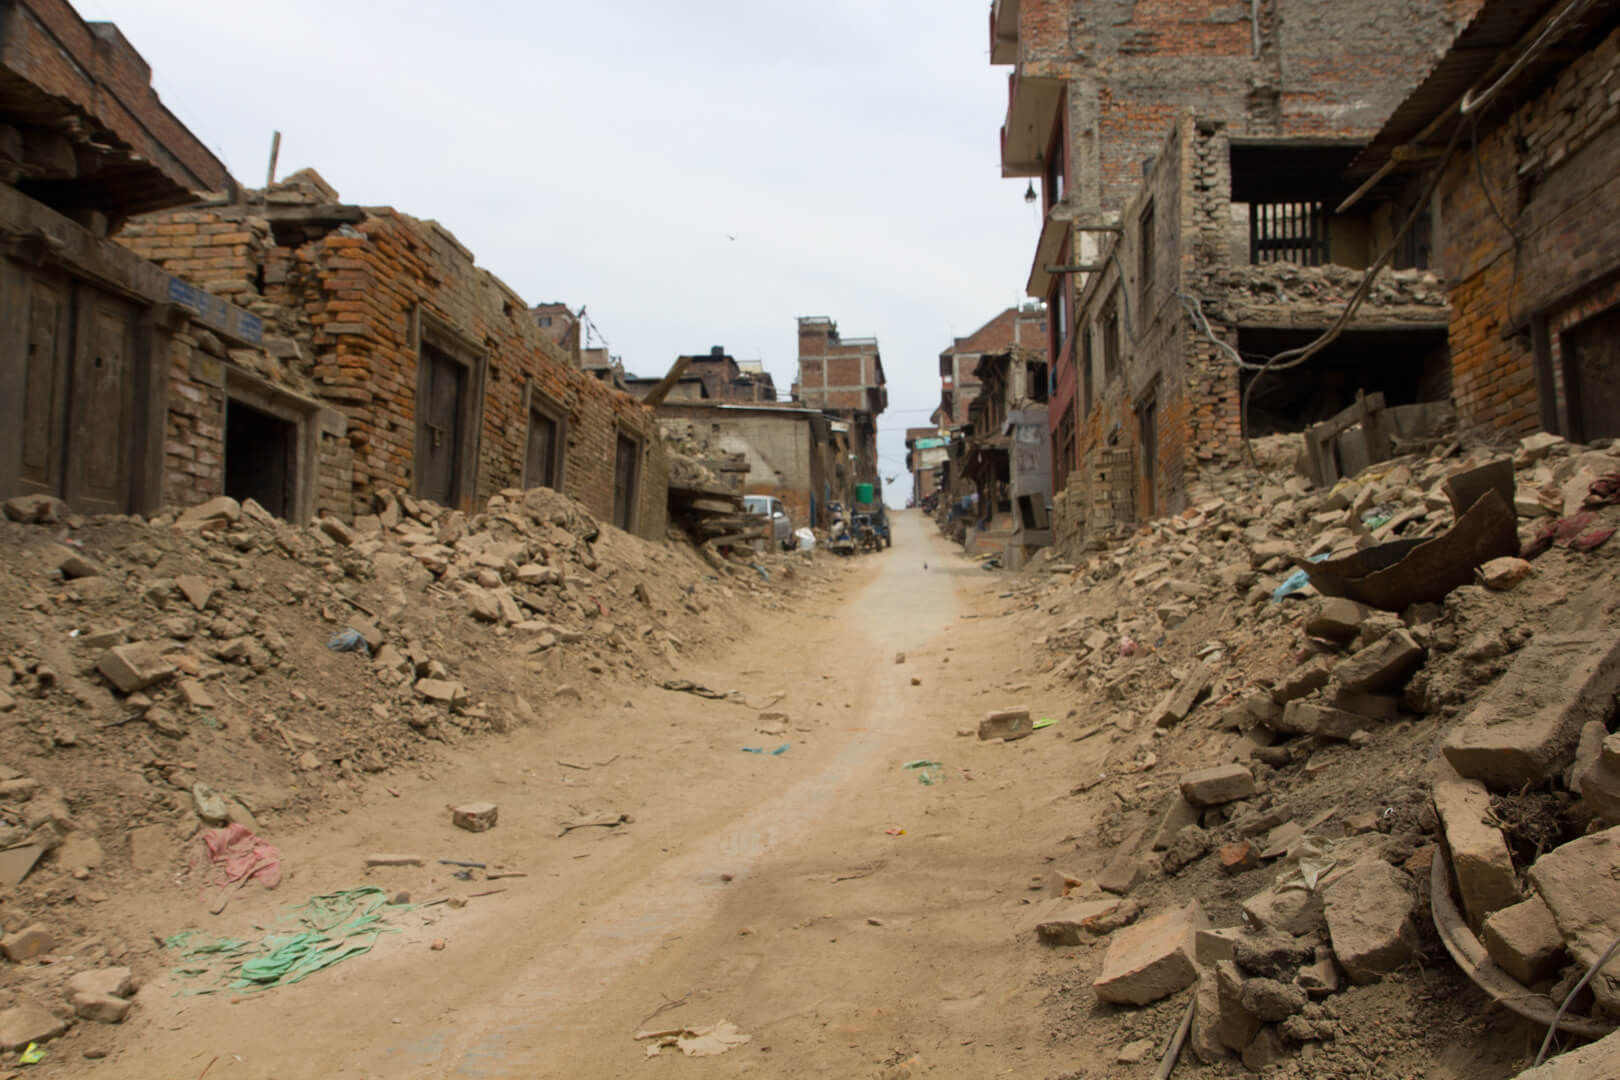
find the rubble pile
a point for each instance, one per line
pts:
(220, 666)
(708, 508)
(1304, 797)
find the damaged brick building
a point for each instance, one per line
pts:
(447, 386)
(86, 328)
(1529, 100)
(1190, 156)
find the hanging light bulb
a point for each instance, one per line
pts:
(1029, 193)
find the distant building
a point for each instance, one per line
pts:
(926, 451)
(844, 376)
(1025, 327)
(560, 325)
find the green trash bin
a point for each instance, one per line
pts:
(863, 493)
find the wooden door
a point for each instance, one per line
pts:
(439, 435)
(540, 464)
(101, 405)
(1592, 377)
(624, 482)
(45, 386)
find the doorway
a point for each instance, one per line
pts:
(261, 459)
(77, 408)
(1592, 377)
(1148, 416)
(626, 478)
(441, 395)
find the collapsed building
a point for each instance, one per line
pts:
(443, 383)
(926, 450)
(1190, 164)
(281, 345)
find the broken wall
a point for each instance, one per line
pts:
(353, 298)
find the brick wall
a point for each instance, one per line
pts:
(1133, 65)
(1557, 189)
(345, 309)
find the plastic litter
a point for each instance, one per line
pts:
(896, 831)
(924, 779)
(1043, 722)
(241, 855)
(1127, 646)
(753, 749)
(923, 763)
(337, 927)
(351, 640)
(760, 570)
(1294, 582)
(806, 538)
(31, 1055)
(780, 750)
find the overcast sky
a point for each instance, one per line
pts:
(605, 154)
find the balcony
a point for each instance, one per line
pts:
(1032, 113)
(1004, 32)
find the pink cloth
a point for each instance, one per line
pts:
(239, 854)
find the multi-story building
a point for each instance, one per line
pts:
(844, 376)
(1100, 93)
(958, 385)
(926, 451)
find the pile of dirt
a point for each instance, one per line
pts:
(1264, 823)
(222, 665)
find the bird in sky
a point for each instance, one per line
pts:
(731, 236)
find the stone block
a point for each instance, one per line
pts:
(1177, 703)
(134, 667)
(196, 589)
(1384, 665)
(1580, 882)
(1272, 1001)
(1599, 781)
(36, 509)
(1479, 854)
(1301, 682)
(1320, 977)
(475, 817)
(1177, 816)
(338, 530)
(1191, 844)
(1238, 857)
(1005, 724)
(74, 565)
(1152, 959)
(1504, 573)
(1292, 911)
(1212, 946)
(1323, 721)
(28, 1023)
(443, 691)
(1218, 785)
(1122, 874)
(1525, 728)
(1271, 953)
(213, 514)
(1525, 942)
(1071, 922)
(29, 943)
(1337, 619)
(100, 995)
(1371, 920)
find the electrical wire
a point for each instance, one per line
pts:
(1574, 10)
(1292, 358)
(1569, 997)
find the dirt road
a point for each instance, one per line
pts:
(769, 890)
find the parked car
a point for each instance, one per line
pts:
(778, 528)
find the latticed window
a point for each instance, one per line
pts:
(1291, 232)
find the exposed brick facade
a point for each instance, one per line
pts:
(348, 308)
(844, 375)
(1158, 411)
(1553, 168)
(959, 386)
